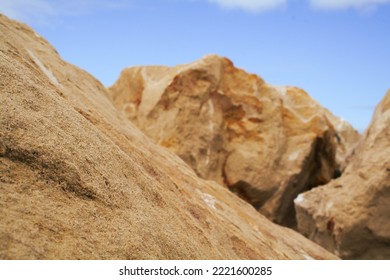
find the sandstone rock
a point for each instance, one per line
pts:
(350, 216)
(346, 140)
(266, 143)
(79, 181)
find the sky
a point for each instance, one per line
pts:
(336, 50)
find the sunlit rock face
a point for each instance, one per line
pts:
(79, 181)
(350, 216)
(265, 143)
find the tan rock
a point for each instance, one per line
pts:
(266, 143)
(346, 140)
(79, 181)
(350, 216)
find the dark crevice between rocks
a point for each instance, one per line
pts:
(337, 173)
(250, 194)
(318, 169)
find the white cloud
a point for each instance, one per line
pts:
(41, 10)
(263, 5)
(19, 9)
(346, 4)
(251, 5)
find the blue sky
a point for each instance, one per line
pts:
(337, 50)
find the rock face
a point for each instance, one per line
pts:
(79, 181)
(266, 143)
(346, 140)
(350, 216)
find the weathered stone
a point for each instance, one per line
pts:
(346, 140)
(79, 181)
(266, 143)
(350, 216)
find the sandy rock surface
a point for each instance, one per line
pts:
(350, 216)
(265, 143)
(79, 181)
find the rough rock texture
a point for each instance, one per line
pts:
(350, 216)
(79, 181)
(266, 143)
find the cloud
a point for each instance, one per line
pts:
(346, 4)
(42, 10)
(251, 5)
(264, 5)
(19, 9)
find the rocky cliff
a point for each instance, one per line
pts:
(350, 216)
(266, 143)
(79, 181)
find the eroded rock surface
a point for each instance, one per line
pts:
(79, 181)
(350, 216)
(266, 143)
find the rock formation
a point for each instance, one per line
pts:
(79, 181)
(350, 216)
(266, 143)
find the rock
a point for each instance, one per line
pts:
(266, 143)
(350, 216)
(79, 181)
(346, 139)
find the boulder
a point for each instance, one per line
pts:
(266, 143)
(79, 181)
(350, 216)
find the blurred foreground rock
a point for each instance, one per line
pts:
(350, 216)
(79, 181)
